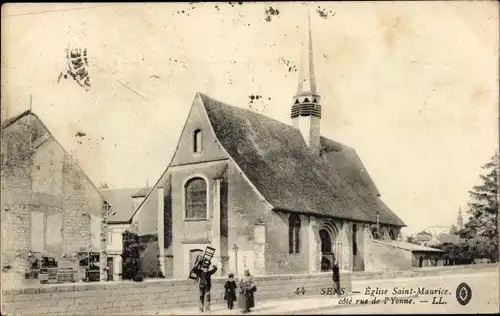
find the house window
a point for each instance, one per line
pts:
(45, 232)
(294, 233)
(197, 141)
(196, 198)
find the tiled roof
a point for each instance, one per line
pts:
(121, 202)
(423, 237)
(449, 238)
(275, 158)
(408, 246)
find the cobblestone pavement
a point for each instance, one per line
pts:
(485, 298)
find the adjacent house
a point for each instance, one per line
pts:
(123, 202)
(49, 206)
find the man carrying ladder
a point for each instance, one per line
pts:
(201, 274)
(205, 283)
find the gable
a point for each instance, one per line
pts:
(210, 148)
(25, 137)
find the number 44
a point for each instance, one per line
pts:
(300, 290)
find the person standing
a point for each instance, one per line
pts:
(230, 291)
(247, 289)
(205, 283)
(336, 276)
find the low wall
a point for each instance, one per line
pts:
(159, 295)
(427, 271)
(150, 295)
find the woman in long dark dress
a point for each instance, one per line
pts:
(247, 289)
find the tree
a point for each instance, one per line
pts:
(481, 231)
(130, 255)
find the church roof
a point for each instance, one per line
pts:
(275, 158)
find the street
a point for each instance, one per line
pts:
(484, 286)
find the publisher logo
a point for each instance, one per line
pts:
(464, 294)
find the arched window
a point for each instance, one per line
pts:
(196, 198)
(197, 145)
(294, 233)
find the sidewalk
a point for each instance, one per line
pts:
(299, 305)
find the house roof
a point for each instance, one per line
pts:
(423, 237)
(122, 203)
(142, 192)
(408, 246)
(11, 120)
(449, 238)
(8, 121)
(275, 158)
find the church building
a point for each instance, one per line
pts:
(268, 196)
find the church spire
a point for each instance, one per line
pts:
(306, 108)
(307, 78)
(460, 222)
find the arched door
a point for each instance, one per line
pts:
(327, 256)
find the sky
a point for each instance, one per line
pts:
(412, 86)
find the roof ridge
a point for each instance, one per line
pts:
(205, 97)
(11, 120)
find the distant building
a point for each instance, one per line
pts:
(423, 238)
(123, 202)
(410, 255)
(443, 239)
(49, 206)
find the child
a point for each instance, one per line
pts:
(230, 291)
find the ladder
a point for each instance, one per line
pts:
(201, 261)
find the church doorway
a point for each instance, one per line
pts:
(327, 255)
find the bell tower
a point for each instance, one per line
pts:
(306, 108)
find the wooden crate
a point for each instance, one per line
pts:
(65, 275)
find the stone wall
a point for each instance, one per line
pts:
(149, 296)
(48, 204)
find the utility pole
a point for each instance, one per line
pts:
(235, 248)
